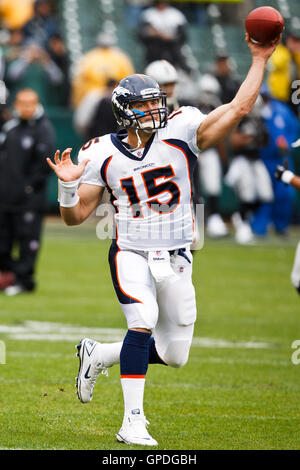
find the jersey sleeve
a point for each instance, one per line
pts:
(92, 172)
(184, 122)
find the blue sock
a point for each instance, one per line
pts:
(134, 355)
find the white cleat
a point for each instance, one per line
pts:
(133, 431)
(243, 231)
(90, 367)
(244, 235)
(13, 290)
(216, 227)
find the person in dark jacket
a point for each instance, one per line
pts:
(42, 26)
(103, 120)
(224, 74)
(25, 141)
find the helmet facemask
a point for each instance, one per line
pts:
(158, 116)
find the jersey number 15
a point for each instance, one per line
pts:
(153, 190)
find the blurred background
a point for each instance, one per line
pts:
(66, 57)
(54, 47)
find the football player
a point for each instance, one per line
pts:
(211, 161)
(210, 174)
(146, 167)
(165, 74)
(247, 174)
(288, 177)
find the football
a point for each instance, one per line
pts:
(264, 24)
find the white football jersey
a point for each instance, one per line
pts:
(151, 187)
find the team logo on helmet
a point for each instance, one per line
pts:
(118, 94)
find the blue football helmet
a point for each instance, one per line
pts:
(134, 88)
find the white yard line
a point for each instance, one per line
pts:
(203, 360)
(208, 360)
(222, 343)
(252, 362)
(13, 448)
(47, 331)
(282, 418)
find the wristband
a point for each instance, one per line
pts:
(287, 176)
(67, 193)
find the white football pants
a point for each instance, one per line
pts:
(250, 180)
(295, 276)
(211, 172)
(166, 308)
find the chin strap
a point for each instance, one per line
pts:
(138, 141)
(136, 130)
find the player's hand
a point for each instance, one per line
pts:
(282, 174)
(64, 168)
(263, 51)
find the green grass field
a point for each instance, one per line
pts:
(239, 390)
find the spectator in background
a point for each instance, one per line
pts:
(3, 91)
(195, 12)
(4, 110)
(15, 14)
(283, 129)
(162, 30)
(218, 86)
(96, 67)
(284, 68)
(5, 114)
(166, 76)
(25, 141)
(35, 68)
(222, 71)
(42, 26)
(13, 47)
(103, 120)
(209, 169)
(58, 54)
(247, 174)
(133, 11)
(288, 177)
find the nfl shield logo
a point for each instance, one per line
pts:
(158, 252)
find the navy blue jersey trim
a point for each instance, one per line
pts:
(103, 169)
(116, 140)
(192, 158)
(122, 297)
(103, 176)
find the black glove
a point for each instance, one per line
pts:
(279, 172)
(284, 175)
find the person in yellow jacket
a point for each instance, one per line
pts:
(14, 14)
(98, 65)
(284, 66)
